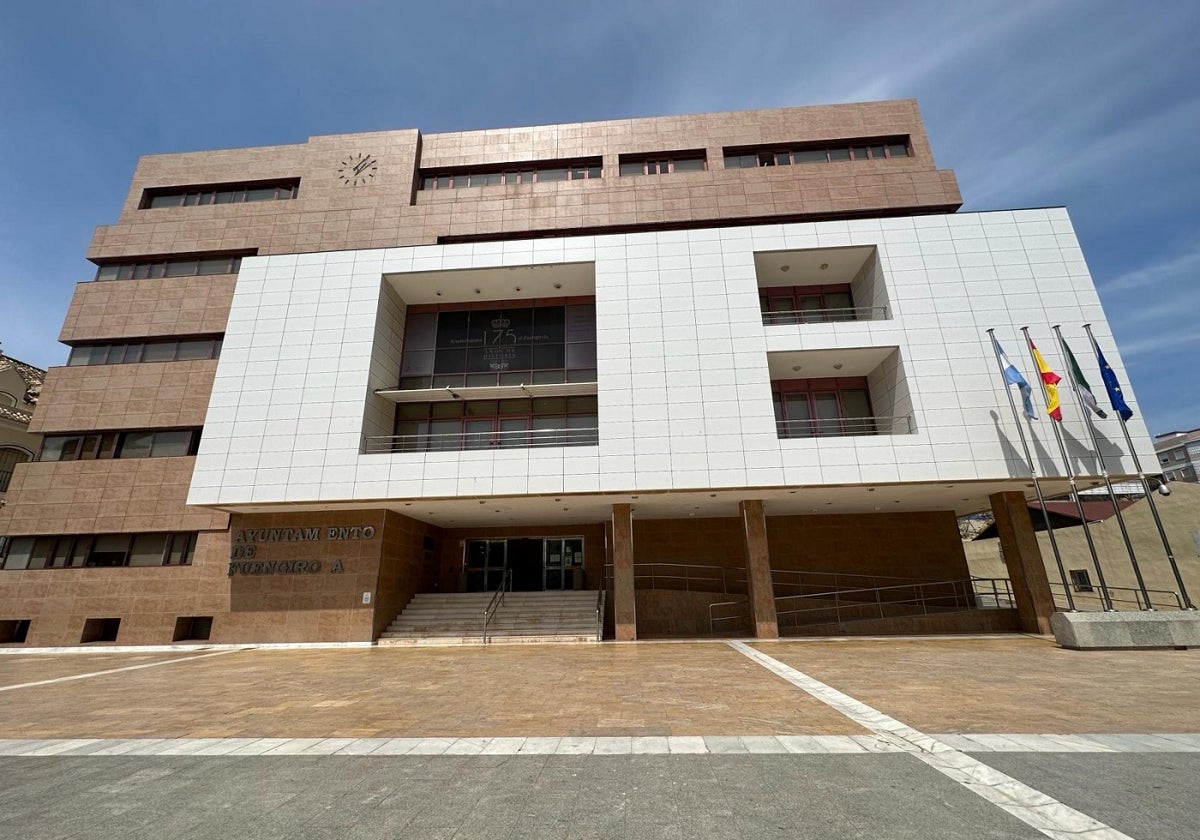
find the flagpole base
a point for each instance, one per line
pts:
(1142, 630)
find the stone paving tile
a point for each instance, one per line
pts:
(16, 669)
(543, 691)
(1013, 684)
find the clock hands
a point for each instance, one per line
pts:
(363, 165)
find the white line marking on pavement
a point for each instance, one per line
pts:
(1032, 807)
(115, 670)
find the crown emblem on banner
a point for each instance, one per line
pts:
(501, 323)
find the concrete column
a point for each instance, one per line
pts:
(758, 570)
(621, 543)
(1018, 542)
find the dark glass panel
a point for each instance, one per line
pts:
(810, 156)
(481, 408)
(444, 410)
(898, 149)
(136, 445)
(552, 175)
(195, 349)
(582, 375)
(87, 449)
(412, 411)
(182, 268)
(548, 357)
(214, 265)
(631, 168)
(159, 351)
(109, 550)
(148, 550)
(260, 194)
(839, 153)
(19, 549)
(107, 272)
(549, 405)
(165, 201)
(168, 444)
(689, 165)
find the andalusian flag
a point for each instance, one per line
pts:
(1081, 384)
(1050, 381)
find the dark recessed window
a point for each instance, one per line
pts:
(1080, 580)
(807, 304)
(505, 345)
(823, 152)
(99, 446)
(13, 631)
(511, 173)
(147, 269)
(197, 196)
(133, 352)
(663, 163)
(100, 630)
(496, 424)
(822, 407)
(98, 550)
(193, 628)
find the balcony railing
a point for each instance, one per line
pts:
(844, 427)
(460, 441)
(824, 316)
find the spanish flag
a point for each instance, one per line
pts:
(1050, 381)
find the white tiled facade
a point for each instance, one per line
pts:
(683, 365)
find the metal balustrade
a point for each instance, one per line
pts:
(461, 441)
(1170, 601)
(844, 427)
(840, 605)
(824, 316)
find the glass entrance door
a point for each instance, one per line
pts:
(537, 563)
(564, 562)
(485, 563)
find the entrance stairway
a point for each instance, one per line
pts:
(523, 617)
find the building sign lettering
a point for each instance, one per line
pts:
(264, 535)
(246, 542)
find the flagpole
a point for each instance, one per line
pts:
(1105, 595)
(1137, 463)
(1112, 496)
(1062, 572)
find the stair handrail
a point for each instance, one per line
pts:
(494, 604)
(600, 616)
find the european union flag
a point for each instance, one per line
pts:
(1112, 385)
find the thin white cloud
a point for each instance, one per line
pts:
(1176, 271)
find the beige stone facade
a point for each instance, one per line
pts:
(376, 577)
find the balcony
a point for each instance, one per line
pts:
(473, 440)
(790, 317)
(820, 286)
(843, 427)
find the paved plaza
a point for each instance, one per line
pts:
(1005, 737)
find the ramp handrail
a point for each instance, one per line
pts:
(600, 616)
(961, 595)
(494, 604)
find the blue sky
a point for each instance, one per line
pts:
(1092, 105)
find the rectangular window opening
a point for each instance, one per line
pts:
(13, 631)
(100, 630)
(193, 628)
